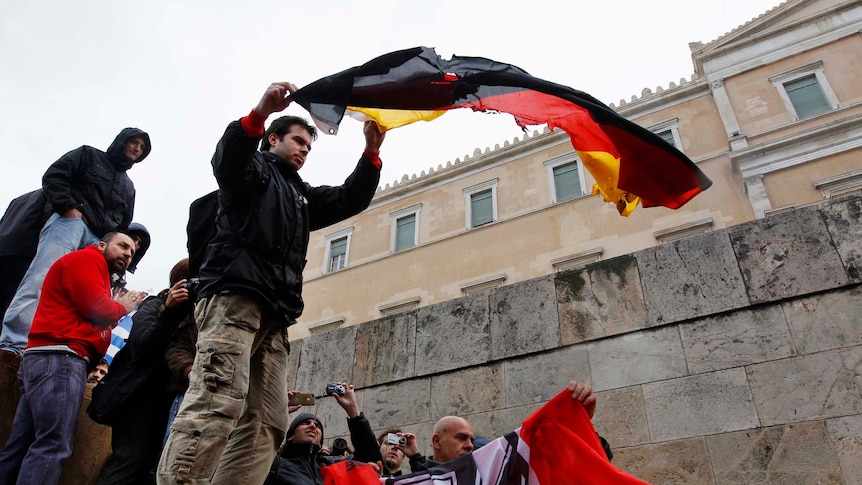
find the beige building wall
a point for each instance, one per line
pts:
(729, 118)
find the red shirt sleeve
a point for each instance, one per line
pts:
(252, 124)
(90, 291)
(375, 158)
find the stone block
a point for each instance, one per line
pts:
(690, 278)
(602, 300)
(799, 453)
(621, 417)
(846, 433)
(293, 363)
(538, 378)
(493, 424)
(645, 356)
(524, 318)
(683, 462)
(467, 391)
(326, 357)
(453, 334)
(808, 387)
(385, 350)
(826, 321)
(787, 255)
(699, 405)
(743, 337)
(399, 404)
(844, 221)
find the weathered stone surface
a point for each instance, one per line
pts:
(385, 350)
(826, 321)
(524, 318)
(846, 433)
(800, 453)
(538, 378)
(844, 221)
(743, 337)
(467, 391)
(690, 278)
(621, 417)
(293, 363)
(684, 462)
(808, 387)
(497, 423)
(699, 405)
(602, 300)
(787, 255)
(453, 334)
(326, 357)
(399, 404)
(636, 358)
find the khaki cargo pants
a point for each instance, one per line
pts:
(234, 415)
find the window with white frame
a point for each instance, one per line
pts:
(481, 203)
(565, 177)
(669, 132)
(337, 250)
(405, 228)
(805, 91)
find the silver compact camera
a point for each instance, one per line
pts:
(394, 439)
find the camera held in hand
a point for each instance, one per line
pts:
(335, 389)
(394, 439)
(192, 285)
(339, 447)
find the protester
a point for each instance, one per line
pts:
(70, 334)
(299, 460)
(454, 436)
(134, 399)
(233, 414)
(98, 373)
(393, 456)
(91, 196)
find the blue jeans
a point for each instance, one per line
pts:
(172, 414)
(46, 421)
(59, 237)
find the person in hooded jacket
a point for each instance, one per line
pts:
(90, 195)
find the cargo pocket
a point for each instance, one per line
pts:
(223, 368)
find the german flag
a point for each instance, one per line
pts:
(630, 164)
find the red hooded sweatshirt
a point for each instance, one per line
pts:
(75, 308)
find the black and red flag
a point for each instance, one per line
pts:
(555, 445)
(629, 163)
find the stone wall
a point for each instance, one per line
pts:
(726, 358)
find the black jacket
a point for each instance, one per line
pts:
(300, 464)
(21, 224)
(139, 368)
(265, 213)
(95, 183)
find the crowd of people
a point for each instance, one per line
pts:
(198, 391)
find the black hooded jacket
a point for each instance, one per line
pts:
(95, 183)
(265, 214)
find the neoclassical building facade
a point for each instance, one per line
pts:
(772, 114)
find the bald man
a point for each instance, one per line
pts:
(454, 436)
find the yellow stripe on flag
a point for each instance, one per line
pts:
(606, 170)
(392, 118)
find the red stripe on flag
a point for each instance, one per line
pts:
(564, 447)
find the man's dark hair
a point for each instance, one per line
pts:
(382, 437)
(280, 126)
(107, 238)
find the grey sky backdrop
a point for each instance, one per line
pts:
(75, 73)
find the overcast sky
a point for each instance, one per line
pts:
(75, 73)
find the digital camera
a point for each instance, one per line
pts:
(335, 389)
(394, 439)
(192, 285)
